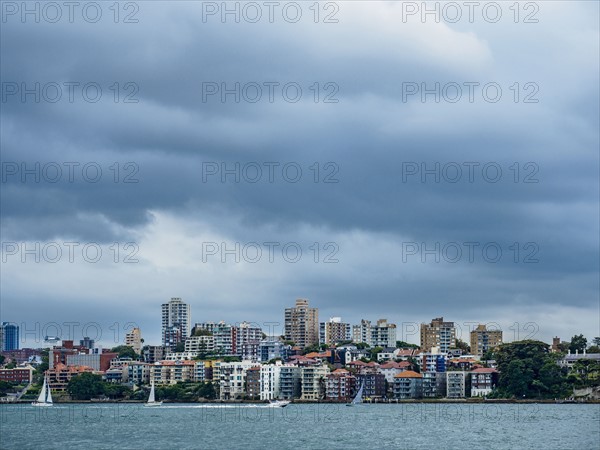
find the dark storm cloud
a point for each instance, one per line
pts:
(371, 134)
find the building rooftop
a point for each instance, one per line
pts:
(408, 374)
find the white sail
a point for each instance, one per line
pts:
(48, 394)
(151, 397)
(358, 397)
(43, 393)
(45, 396)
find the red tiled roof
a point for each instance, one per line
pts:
(402, 364)
(484, 370)
(408, 374)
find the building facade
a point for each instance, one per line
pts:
(134, 340)
(334, 331)
(9, 336)
(456, 384)
(176, 321)
(408, 385)
(483, 340)
(438, 334)
(302, 324)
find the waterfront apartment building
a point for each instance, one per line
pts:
(456, 384)
(483, 381)
(176, 320)
(271, 348)
(334, 331)
(483, 340)
(270, 376)
(231, 378)
(9, 336)
(134, 339)
(153, 353)
(340, 386)
(290, 381)
(173, 372)
(438, 334)
(408, 385)
(302, 324)
(241, 340)
(313, 381)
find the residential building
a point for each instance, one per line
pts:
(483, 381)
(24, 355)
(313, 381)
(408, 385)
(134, 339)
(570, 359)
(383, 334)
(153, 353)
(483, 340)
(172, 372)
(200, 372)
(253, 383)
(60, 375)
(231, 378)
(390, 369)
(362, 333)
(290, 381)
(9, 336)
(270, 349)
(456, 384)
(373, 383)
(302, 324)
(176, 319)
(340, 385)
(138, 372)
(433, 360)
(22, 375)
(270, 376)
(434, 384)
(334, 331)
(200, 344)
(438, 334)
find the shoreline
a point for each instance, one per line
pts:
(325, 402)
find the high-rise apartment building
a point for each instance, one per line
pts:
(134, 339)
(334, 331)
(483, 340)
(381, 335)
(438, 334)
(302, 324)
(362, 333)
(9, 336)
(176, 320)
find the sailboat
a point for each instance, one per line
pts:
(151, 400)
(357, 400)
(45, 397)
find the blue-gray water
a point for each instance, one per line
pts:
(402, 426)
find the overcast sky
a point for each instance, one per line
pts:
(366, 141)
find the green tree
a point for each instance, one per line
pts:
(207, 391)
(85, 386)
(180, 347)
(11, 365)
(2, 359)
(362, 345)
(528, 370)
(403, 344)
(466, 348)
(125, 351)
(374, 352)
(578, 343)
(202, 332)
